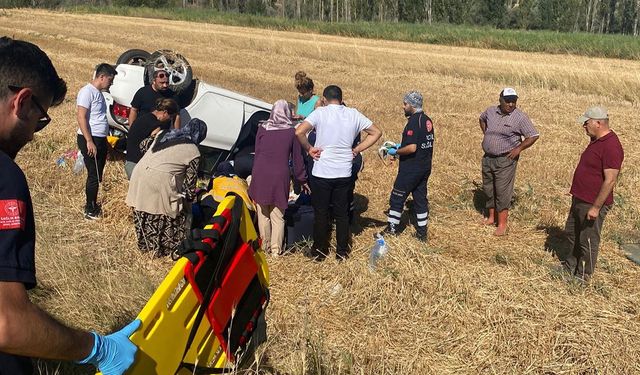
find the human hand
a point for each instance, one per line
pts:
(155, 132)
(314, 152)
(513, 154)
(92, 150)
(306, 189)
(297, 117)
(113, 354)
(392, 151)
(593, 213)
(398, 145)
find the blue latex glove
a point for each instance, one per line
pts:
(392, 151)
(113, 354)
(398, 145)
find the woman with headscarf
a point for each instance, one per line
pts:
(276, 144)
(162, 186)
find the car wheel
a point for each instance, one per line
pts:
(180, 73)
(134, 57)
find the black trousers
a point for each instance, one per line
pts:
(95, 167)
(331, 194)
(416, 184)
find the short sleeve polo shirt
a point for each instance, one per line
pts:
(504, 132)
(603, 153)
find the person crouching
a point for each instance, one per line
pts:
(162, 185)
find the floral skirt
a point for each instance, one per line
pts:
(160, 234)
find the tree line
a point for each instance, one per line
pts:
(592, 16)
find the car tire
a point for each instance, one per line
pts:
(180, 72)
(134, 57)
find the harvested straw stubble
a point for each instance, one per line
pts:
(466, 303)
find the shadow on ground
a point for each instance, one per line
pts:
(360, 223)
(479, 199)
(556, 242)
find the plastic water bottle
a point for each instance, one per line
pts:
(378, 250)
(79, 165)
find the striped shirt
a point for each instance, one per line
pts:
(505, 132)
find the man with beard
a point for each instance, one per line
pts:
(416, 153)
(29, 86)
(145, 99)
(507, 132)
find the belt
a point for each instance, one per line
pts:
(495, 156)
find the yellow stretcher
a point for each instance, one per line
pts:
(170, 314)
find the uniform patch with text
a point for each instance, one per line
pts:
(13, 214)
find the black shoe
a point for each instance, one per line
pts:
(93, 212)
(341, 257)
(421, 235)
(390, 230)
(318, 255)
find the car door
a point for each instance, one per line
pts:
(223, 115)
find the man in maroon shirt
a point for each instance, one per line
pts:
(592, 191)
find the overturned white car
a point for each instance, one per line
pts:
(231, 118)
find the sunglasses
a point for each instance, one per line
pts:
(45, 119)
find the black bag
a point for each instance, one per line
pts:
(298, 219)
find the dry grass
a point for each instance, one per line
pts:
(467, 302)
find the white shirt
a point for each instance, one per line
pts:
(336, 128)
(91, 98)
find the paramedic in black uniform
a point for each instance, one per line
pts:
(29, 86)
(415, 152)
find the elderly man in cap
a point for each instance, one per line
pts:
(415, 153)
(592, 192)
(507, 132)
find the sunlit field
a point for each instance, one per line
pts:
(466, 302)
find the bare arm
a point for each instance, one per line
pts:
(176, 122)
(525, 144)
(84, 128)
(301, 132)
(133, 115)
(373, 134)
(483, 126)
(27, 330)
(610, 177)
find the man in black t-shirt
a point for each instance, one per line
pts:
(415, 152)
(160, 118)
(29, 86)
(144, 100)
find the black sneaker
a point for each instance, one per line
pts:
(422, 235)
(390, 230)
(93, 213)
(342, 257)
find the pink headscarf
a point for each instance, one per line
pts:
(280, 117)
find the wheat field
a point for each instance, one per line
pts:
(466, 303)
